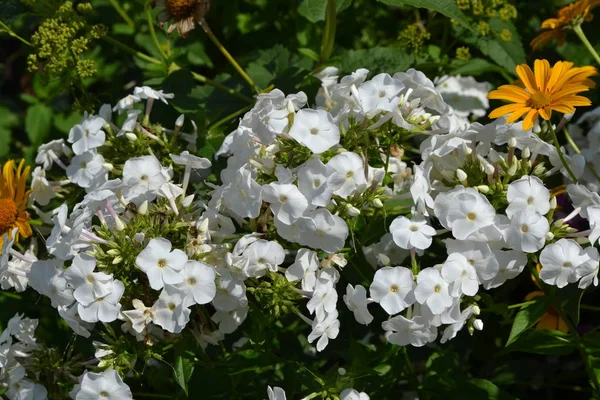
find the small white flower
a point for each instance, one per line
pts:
(262, 256)
(312, 182)
(287, 202)
(528, 193)
(380, 94)
(322, 230)
(471, 213)
(560, 262)
(243, 196)
(315, 129)
(146, 92)
(87, 170)
(142, 177)
(356, 300)
(88, 285)
(352, 394)
(589, 270)
(403, 331)
(276, 393)
(169, 311)
(409, 234)
(326, 329)
(304, 268)
(42, 190)
(349, 175)
(198, 283)
(107, 384)
(87, 135)
(162, 265)
(104, 309)
(527, 231)
(432, 290)
(461, 275)
(140, 317)
(511, 264)
(230, 320)
(393, 289)
(50, 152)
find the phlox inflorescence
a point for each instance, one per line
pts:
(151, 247)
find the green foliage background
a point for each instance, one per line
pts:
(280, 43)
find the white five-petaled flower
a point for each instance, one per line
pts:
(162, 265)
(560, 262)
(315, 129)
(432, 290)
(461, 275)
(287, 202)
(198, 283)
(527, 231)
(325, 330)
(402, 331)
(527, 193)
(392, 288)
(87, 135)
(107, 384)
(410, 234)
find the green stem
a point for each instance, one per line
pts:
(132, 51)
(519, 305)
(153, 34)
(591, 308)
(577, 29)
(13, 34)
(122, 12)
(572, 331)
(328, 39)
(229, 117)
(203, 79)
(411, 370)
(228, 56)
(561, 155)
(576, 149)
(12, 295)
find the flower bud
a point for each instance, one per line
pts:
(353, 211)
(470, 329)
(553, 203)
(478, 324)
(549, 236)
(179, 121)
(131, 136)
(461, 175)
(539, 169)
(117, 260)
(476, 310)
(483, 189)
(139, 237)
(113, 252)
(143, 208)
(108, 166)
(512, 170)
(489, 169)
(512, 142)
(341, 371)
(526, 153)
(582, 240)
(377, 203)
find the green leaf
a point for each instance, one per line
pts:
(310, 53)
(376, 59)
(543, 341)
(11, 10)
(527, 317)
(570, 298)
(474, 67)
(7, 120)
(314, 10)
(184, 368)
(506, 54)
(446, 7)
(38, 122)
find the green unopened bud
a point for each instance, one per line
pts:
(113, 252)
(117, 260)
(526, 153)
(539, 169)
(483, 189)
(553, 203)
(143, 208)
(131, 136)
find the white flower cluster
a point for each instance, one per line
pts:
(16, 344)
(295, 201)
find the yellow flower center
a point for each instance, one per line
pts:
(539, 100)
(8, 215)
(181, 8)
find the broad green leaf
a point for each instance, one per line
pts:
(505, 54)
(527, 317)
(543, 341)
(314, 10)
(310, 53)
(7, 120)
(11, 10)
(183, 370)
(38, 122)
(446, 7)
(376, 59)
(474, 67)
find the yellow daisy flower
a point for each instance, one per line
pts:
(13, 200)
(542, 91)
(574, 13)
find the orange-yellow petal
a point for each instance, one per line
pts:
(527, 77)
(507, 109)
(529, 119)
